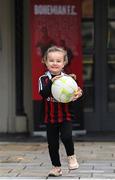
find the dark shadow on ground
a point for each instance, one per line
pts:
(88, 137)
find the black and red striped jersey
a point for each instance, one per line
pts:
(55, 112)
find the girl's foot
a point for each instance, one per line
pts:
(55, 171)
(72, 162)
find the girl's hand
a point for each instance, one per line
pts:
(77, 94)
(56, 77)
(73, 76)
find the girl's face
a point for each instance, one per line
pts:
(55, 62)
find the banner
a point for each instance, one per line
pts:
(55, 22)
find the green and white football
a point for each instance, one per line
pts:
(64, 88)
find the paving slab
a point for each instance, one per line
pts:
(25, 160)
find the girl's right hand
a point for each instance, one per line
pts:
(55, 78)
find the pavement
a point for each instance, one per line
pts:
(28, 158)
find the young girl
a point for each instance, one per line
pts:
(58, 116)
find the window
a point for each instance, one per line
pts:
(88, 53)
(111, 56)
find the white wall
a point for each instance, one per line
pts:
(7, 87)
(9, 122)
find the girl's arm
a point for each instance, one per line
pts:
(45, 86)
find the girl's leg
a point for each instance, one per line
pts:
(66, 137)
(53, 143)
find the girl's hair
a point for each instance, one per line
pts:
(55, 49)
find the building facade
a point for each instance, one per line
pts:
(98, 34)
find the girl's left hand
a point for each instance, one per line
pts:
(73, 76)
(77, 94)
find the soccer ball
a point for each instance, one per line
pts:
(64, 88)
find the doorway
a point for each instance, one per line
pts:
(99, 66)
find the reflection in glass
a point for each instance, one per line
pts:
(87, 8)
(111, 9)
(111, 83)
(111, 35)
(88, 82)
(111, 69)
(88, 68)
(111, 98)
(89, 99)
(88, 34)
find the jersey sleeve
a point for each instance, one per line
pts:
(45, 86)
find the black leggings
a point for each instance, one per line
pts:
(54, 131)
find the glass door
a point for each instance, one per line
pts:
(98, 29)
(108, 121)
(111, 57)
